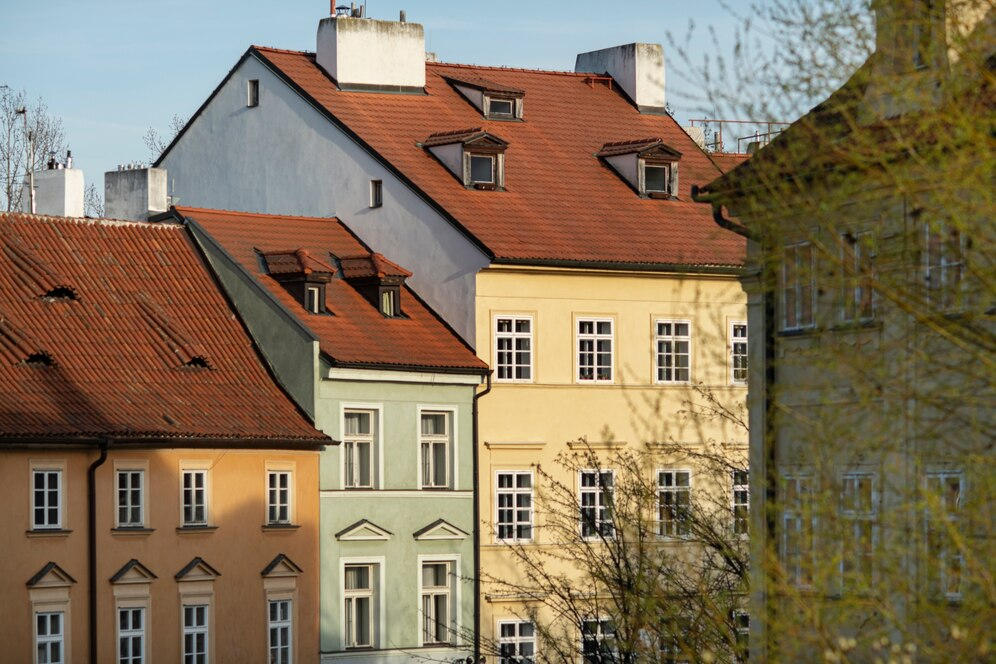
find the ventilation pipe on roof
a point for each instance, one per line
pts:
(366, 54)
(637, 68)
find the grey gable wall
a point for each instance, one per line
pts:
(285, 157)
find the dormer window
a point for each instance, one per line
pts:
(492, 100)
(313, 299)
(389, 301)
(378, 280)
(648, 166)
(302, 275)
(501, 109)
(475, 157)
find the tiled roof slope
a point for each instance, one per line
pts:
(131, 305)
(561, 202)
(355, 333)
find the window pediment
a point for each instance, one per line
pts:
(197, 570)
(133, 571)
(440, 530)
(363, 531)
(51, 576)
(281, 566)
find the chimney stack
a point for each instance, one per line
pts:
(58, 190)
(134, 193)
(637, 68)
(366, 54)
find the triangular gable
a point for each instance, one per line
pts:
(197, 570)
(51, 576)
(440, 529)
(363, 530)
(486, 141)
(281, 566)
(133, 572)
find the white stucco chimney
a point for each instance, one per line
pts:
(58, 192)
(134, 193)
(364, 54)
(637, 68)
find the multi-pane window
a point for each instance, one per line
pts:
(279, 625)
(594, 349)
(436, 602)
(859, 522)
(514, 348)
(278, 496)
(674, 641)
(194, 491)
(798, 543)
(596, 504)
(436, 449)
(514, 501)
(131, 635)
(130, 498)
(741, 623)
(798, 293)
(945, 265)
(358, 606)
(738, 353)
(359, 448)
(50, 634)
(674, 502)
(945, 561)
(857, 259)
(741, 502)
(46, 499)
(516, 642)
(674, 340)
(598, 641)
(195, 634)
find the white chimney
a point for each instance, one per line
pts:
(637, 68)
(58, 193)
(364, 54)
(134, 193)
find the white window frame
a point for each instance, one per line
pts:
(376, 193)
(497, 115)
(204, 491)
(660, 339)
(281, 649)
(669, 173)
(48, 470)
(740, 502)
(279, 499)
(602, 526)
(803, 521)
(741, 625)
(855, 519)
(252, 93)
(515, 641)
(514, 492)
(493, 158)
(127, 468)
(792, 283)
(449, 440)
(132, 634)
(313, 299)
(739, 349)
(947, 520)
(44, 643)
(594, 337)
(374, 593)
(452, 592)
(680, 521)
(857, 259)
(604, 629)
(513, 337)
(195, 629)
(376, 412)
(945, 276)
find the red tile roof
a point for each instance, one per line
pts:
(355, 333)
(138, 342)
(297, 261)
(484, 84)
(727, 161)
(561, 202)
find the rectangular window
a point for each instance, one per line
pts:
(859, 522)
(516, 642)
(131, 636)
(674, 339)
(130, 484)
(674, 641)
(195, 634)
(501, 108)
(359, 606)
(50, 634)
(279, 625)
(359, 448)
(798, 530)
(657, 178)
(313, 301)
(943, 505)
(514, 348)
(674, 503)
(482, 169)
(376, 193)
(857, 260)
(436, 450)
(741, 623)
(594, 350)
(278, 496)
(194, 497)
(738, 353)
(741, 502)
(252, 93)
(514, 501)
(436, 603)
(46, 499)
(798, 290)
(598, 641)
(596, 504)
(945, 265)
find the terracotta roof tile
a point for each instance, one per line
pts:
(296, 261)
(124, 350)
(561, 202)
(370, 265)
(481, 83)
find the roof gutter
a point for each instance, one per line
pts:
(701, 196)
(620, 265)
(477, 522)
(91, 537)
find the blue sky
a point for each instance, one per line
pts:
(113, 68)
